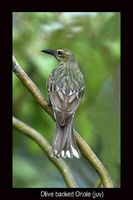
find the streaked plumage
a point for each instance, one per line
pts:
(65, 88)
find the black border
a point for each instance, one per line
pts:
(6, 101)
(6, 94)
(69, 5)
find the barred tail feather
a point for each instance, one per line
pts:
(65, 144)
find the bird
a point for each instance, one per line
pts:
(65, 88)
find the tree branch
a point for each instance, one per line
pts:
(86, 150)
(30, 85)
(45, 146)
(95, 162)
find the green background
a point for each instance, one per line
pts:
(94, 39)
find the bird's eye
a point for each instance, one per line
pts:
(59, 53)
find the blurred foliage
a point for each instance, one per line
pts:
(95, 40)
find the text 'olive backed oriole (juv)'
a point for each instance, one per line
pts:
(65, 89)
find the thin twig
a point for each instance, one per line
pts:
(98, 183)
(45, 146)
(86, 150)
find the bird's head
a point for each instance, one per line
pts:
(62, 55)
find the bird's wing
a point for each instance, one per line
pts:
(64, 104)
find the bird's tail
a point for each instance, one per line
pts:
(64, 143)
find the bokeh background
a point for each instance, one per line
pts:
(94, 37)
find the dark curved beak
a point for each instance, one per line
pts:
(49, 51)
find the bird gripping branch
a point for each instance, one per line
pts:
(65, 89)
